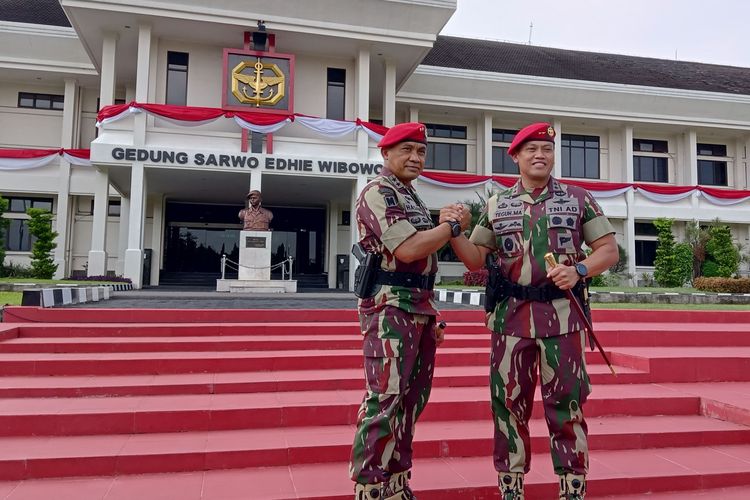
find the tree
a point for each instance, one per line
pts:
(722, 257)
(40, 226)
(697, 236)
(3, 226)
(666, 269)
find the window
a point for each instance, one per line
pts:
(336, 94)
(712, 172)
(501, 162)
(448, 155)
(40, 101)
(177, 71)
(580, 156)
(99, 102)
(646, 237)
(17, 236)
(113, 209)
(652, 167)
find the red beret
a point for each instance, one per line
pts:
(410, 131)
(534, 132)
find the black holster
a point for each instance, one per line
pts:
(365, 284)
(492, 290)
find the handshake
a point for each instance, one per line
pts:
(456, 212)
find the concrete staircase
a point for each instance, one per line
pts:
(261, 404)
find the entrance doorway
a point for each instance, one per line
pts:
(198, 234)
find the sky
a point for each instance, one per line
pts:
(709, 31)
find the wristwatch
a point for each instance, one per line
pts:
(581, 269)
(455, 228)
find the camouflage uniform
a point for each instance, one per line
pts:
(398, 325)
(530, 336)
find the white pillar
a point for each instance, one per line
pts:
(743, 182)
(362, 98)
(97, 265)
(485, 141)
(256, 181)
(389, 94)
(691, 158)
(134, 254)
(107, 79)
(413, 114)
(333, 243)
(357, 188)
(122, 240)
(557, 170)
(627, 153)
(142, 81)
(630, 232)
(62, 217)
(157, 232)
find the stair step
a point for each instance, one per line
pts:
(139, 414)
(260, 381)
(39, 457)
(612, 472)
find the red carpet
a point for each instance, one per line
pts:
(242, 404)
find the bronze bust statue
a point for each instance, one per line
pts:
(253, 216)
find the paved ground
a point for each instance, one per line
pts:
(205, 298)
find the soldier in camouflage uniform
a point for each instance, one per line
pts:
(534, 329)
(398, 321)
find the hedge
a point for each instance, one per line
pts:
(476, 278)
(722, 285)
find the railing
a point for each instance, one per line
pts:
(285, 265)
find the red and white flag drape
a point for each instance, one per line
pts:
(255, 121)
(24, 159)
(600, 190)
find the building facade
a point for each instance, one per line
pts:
(184, 108)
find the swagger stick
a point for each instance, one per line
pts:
(549, 258)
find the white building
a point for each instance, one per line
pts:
(651, 138)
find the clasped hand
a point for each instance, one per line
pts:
(456, 212)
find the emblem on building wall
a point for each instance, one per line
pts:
(258, 83)
(258, 80)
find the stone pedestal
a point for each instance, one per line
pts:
(255, 255)
(255, 268)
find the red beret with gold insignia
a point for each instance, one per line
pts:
(403, 132)
(534, 132)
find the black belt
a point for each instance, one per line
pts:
(544, 293)
(409, 280)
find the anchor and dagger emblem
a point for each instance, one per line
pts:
(264, 88)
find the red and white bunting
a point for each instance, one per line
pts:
(25, 159)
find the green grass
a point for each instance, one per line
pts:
(10, 298)
(653, 289)
(55, 282)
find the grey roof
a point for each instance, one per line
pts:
(503, 57)
(47, 12)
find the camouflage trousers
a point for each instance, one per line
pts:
(399, 350)
(515, 362)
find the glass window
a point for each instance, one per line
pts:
(712, 150)
(645, 229)
(503, 135)
(336, 94)
(40, 101)
(645, 252)
(446, 131)
(712, 173)
(177, 71)
(444, 156)
(649, 146)
(502, 163)
(580, 156)
(113, 209)
(17, 236)
(650, 169)
(20, 205)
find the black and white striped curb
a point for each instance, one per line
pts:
(121, 287)
(472, 297)
(63, 296)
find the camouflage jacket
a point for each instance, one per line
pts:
(389, 212)
(520, 230)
